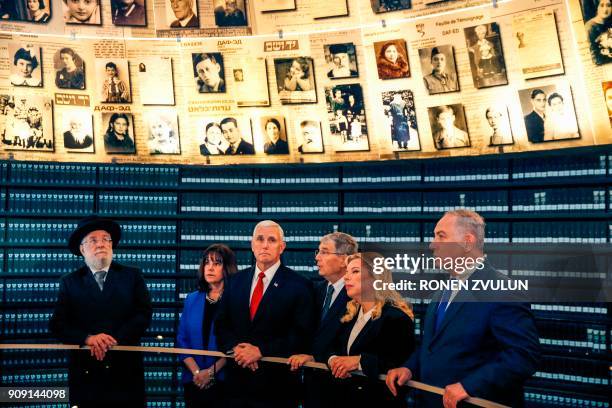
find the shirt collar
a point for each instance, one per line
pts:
(270, 272)
(338, 285)
(365, 316)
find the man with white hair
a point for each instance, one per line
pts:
(473, 344)
(267, 310)
(185, 17)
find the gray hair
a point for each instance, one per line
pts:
(269, 223)
(472, 222)
(344, 243)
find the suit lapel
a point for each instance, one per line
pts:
(336, 309)
(112, 277)
(244, 294)
(362, 335)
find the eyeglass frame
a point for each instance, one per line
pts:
(95, 241)
(317, 252)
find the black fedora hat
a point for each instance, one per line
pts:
(89, 224)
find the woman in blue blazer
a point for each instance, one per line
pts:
(378, 332)
(202, 375)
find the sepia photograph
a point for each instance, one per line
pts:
(269, 6)
(347, 119)
(607, 90)
(155, 80)
(38, 11)
(274, 134)
(27, 123)
(400, 120)
(82, 12)
(295, 79)
(449, 126)
(163, 131)
(549, 113)
(69, 69)
(26, 65)
(114, 80)
(178, 14)
(129, 13)
(439, 69)
(230, 13)
(486, 55)
(309, 136)
(597, 16)
(77, 130)
(225, 136)
(498, 123)
(383, 6)
(532, 33)
(342, 60)
(208, 71)
(251, 82)
(118, 131)
(392, 59)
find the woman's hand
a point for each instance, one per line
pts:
(201, 379)
(341, 367)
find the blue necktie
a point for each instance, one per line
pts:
(327, 302)
(441, 310)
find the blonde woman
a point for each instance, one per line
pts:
(378, 335)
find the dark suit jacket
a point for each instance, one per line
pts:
(330, 327)
(244, 147)
(283, 326)
(281, 147)
(383, 343)
(490, 347)
(122, 310)
(535, 127)
(194, 22)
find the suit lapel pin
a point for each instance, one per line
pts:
(276, 284)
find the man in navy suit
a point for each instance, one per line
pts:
(331, 300)
(472, 345)
(266, 310)
(100, 305)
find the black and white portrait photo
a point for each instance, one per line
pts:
(26, 65)
(274, 134)
(38, 11)
(69, 69)
(549, 113)
(178, 14)
(439, 69)
(309, 136)
(230, 13)
(27, 123)
(250, 85)
(486, 55)
(77, 130)
(118, 131)
(383, 6)
(392, 59)
(400, 120)
(237, 135)
(209, 73)
(113, 80)
(163, 133)
(448, 126)
(498, 123)
(607, 90)
(343, 60)
(347, 119)
(129, 13)
(211, 138)
(597, 16)
(295, 79)
(82, 12)
(269, 6)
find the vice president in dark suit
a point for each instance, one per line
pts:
(377, 334)
(331, 300)
(101, 305)
(472, 345)
(266, 310)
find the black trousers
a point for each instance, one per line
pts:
(212, 397)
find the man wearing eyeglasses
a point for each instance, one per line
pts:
(101, 305)
(331, 300)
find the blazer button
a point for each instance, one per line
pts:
(86, 372)
(360, 388)
(106, 367)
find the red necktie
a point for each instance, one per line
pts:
(257, 294)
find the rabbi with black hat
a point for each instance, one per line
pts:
(342, 61)
(101, 305)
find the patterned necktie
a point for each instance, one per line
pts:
(99, 277)
(257, 295)
(327, 302)
(441, 310)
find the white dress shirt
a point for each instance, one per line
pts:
(270, 272)
(362, 320)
